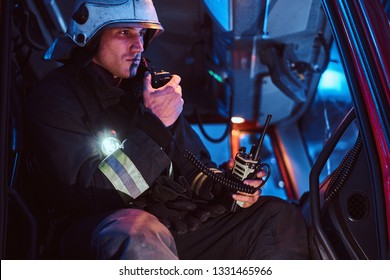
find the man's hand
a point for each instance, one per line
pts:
(165, 102)
(249, 199)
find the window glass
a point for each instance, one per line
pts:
(332, 103)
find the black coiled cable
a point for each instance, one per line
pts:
(343, 171)
(234, 185)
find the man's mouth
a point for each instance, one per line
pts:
(135, 59)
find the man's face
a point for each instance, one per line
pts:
(120, 51)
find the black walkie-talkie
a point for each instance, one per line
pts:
(160, 78)
(246, 165)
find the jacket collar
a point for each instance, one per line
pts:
(108, 89)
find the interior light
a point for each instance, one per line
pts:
(237, 120)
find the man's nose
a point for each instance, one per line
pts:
(138, 44)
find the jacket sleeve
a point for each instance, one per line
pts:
(141, 160)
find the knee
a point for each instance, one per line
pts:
(133, 234)
(279, 207)
(134, 221)
(285, 227)
(281, 214)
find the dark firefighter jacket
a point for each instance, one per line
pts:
(72, 110)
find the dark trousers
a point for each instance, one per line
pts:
(271, 229)
(127, 234)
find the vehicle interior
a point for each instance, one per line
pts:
(240, 61)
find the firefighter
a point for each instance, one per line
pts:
(109, 151)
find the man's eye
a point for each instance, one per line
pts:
(142, 32)
(124, 32)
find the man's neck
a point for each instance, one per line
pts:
(108, 77)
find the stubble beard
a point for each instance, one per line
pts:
(133, 70)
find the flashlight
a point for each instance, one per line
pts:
(110, 143)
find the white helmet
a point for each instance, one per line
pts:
(91, 16)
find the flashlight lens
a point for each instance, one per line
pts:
(109, 145)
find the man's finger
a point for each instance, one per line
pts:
(175, 80)
(262, 173)
(147, 83)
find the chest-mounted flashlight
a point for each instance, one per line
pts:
(110, 143)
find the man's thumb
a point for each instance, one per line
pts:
(147, 82)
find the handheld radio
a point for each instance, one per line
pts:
(160, 78)
(246, 165)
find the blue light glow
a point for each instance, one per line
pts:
(220, 10)
(333, 80)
